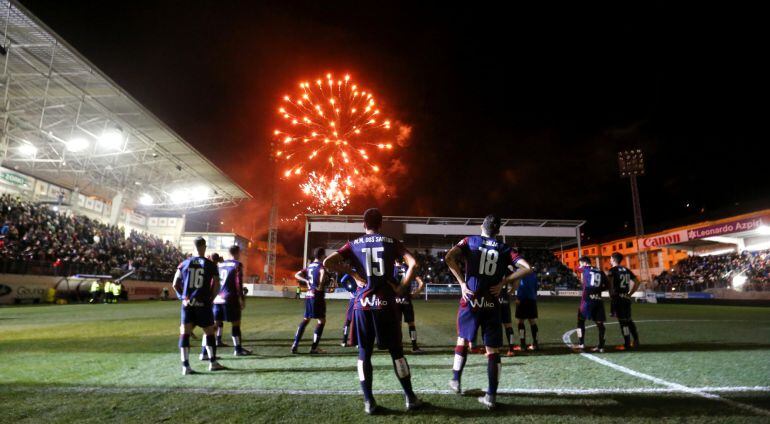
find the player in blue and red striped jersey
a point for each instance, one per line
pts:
(594, 281)
(230, 301)
(196, 281)
(486, 264)
(315, 277)
(349, 283)
(375, 313)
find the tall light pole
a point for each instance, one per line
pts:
(272, 234)
(631, 166)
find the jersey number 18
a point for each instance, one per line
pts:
(488, 262)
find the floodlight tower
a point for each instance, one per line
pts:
(631, 165)
(272, 234)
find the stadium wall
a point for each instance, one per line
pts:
(16, 288)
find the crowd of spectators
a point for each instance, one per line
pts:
(698, 273)
(36, 239)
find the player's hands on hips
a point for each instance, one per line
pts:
(185, 302)
(495, 290)
(360, 282)
(466, 292)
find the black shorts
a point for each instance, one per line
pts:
(382, 326)
(526, 309)
(406, 310)
(622, 308)
(505, 312)
(230, 312)
(201, 316)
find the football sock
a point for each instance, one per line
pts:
(184, 348)
(493, 372)
(402, 371)
(600, 326)
(461, 356)
(634, 334)
(345, 330)
(624, 330)
(211, 347)
(365, 371)
(509, 336)
(413, 336)
(220, 327)
(300, 331)
(533, 329)
(319, 330)
(236, 332)
(522, 335)
(203, 347)
(581, 330)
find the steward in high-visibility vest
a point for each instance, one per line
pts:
(96, 290)
(116, 292)
(107, 292)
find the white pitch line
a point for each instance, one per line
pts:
(674, 387)
(522, 391)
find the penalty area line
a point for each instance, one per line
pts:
(703, 392)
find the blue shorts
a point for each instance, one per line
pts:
(488, 319)
(380, 325)
(592, 310)
(315, 307)
(349, 310)
(201, 316)
(230, 312)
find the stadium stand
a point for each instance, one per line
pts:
(551, 272)
(35, 239)
(698, 273)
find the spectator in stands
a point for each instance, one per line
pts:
(40, 240)
(698, 273)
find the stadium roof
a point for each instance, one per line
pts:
(65, 121)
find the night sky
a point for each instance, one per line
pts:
(516, 111)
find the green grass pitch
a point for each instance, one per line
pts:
(120, 363)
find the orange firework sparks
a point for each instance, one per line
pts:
(330, 135)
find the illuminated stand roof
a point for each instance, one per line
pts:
(65, 121)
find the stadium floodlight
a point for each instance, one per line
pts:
(77, 144)
(764, 230)
(111, 138)
(179, 196)
(27, 149)
(146, 199)
(738, 281)
(631, 162)
(200, 193)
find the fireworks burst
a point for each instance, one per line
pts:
(330, 136)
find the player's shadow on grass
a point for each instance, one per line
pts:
(575, 406)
